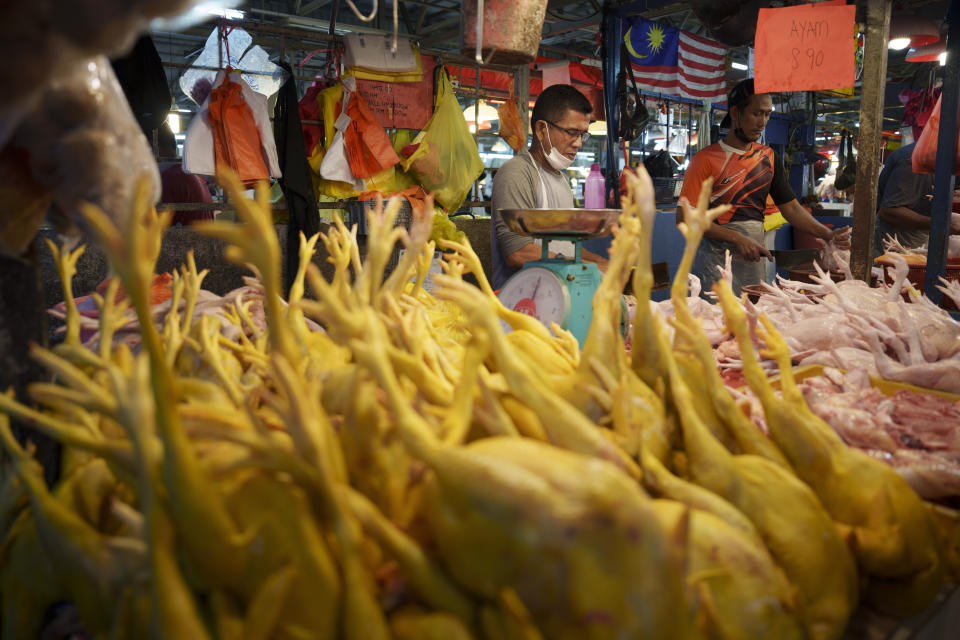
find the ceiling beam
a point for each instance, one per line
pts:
(553, 29)
(440, 25)
(405, 16)
(310, 7)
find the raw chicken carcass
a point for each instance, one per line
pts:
(930, 475)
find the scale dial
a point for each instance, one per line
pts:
(537, 292)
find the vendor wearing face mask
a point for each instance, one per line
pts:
(744, 172)
(536, 179)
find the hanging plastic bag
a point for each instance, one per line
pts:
(330, 101)
(210, 138)
(387, 181)
(925, 153)
(336, 162)
(368, 146)
(368, 57)
(445, 160)
(511, 125)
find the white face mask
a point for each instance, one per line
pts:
(556, 159)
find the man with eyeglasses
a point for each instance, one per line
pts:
(744, 172)
(535, 179)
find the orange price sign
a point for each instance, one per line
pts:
(805, 48)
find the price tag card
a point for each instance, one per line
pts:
(805, 48)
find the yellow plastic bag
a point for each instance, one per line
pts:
(445, 161)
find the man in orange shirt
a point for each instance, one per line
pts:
(744, 173)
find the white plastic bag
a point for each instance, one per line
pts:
(85, 144)
(335, 164)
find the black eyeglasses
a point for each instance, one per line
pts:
(573, 133)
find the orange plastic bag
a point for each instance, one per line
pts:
(368, 147)
(511, 125)
(925, 153)
(236, 139)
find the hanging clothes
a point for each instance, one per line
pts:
(296, 182)
(233, 127)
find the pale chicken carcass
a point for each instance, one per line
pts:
(911, 367)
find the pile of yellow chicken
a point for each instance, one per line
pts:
(414, 472)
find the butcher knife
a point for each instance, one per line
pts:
(661, 276)
(789, 258)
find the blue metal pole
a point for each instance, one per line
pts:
(940, 211)
(610, 68)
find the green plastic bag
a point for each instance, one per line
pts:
(445, 159)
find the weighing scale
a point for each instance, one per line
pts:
(557, 289)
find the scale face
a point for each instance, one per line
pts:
(537, 292)
(555, 289)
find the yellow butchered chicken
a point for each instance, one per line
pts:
(413, 471)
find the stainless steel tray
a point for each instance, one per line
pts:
(583, 223)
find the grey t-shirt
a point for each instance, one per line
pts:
(518, 185)
(899, 186)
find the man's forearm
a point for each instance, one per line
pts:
(523, 255)
(904, 218)
(589, 256)
(719, 232)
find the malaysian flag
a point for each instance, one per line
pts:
(667, 60)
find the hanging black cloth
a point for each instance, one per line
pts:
(144, 84)
(296, 183)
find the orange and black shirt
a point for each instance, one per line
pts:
(741, 178)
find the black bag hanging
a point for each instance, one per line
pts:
(660, 165)
(633, 112)
(847, 176)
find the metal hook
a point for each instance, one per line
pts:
(478, 54)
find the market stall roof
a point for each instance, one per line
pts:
(570, 31)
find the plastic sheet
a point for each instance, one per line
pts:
(234, 50)
(84, 144)
(41, 41)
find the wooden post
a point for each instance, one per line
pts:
(871, 129)
(23, 322)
